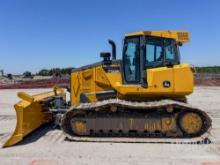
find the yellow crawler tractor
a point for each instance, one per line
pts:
(141, 98)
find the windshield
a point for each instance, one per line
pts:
(161, 51)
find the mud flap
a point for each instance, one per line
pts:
(31, 114)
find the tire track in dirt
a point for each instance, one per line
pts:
(54, 137)
(216, 123)
(214, 113)
(7, 117)
(4, 136)
(60, 137)
(47, 135)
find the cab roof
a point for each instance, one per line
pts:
(179, 36)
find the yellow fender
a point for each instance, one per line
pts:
(31, 114)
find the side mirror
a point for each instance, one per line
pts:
(106, 57)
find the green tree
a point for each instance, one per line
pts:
(208, 69)
(27, 74)
(44, 72)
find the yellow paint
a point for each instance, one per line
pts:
(179, 36)
(180, 76)
(191, 123)
(94, 79)
(30, 115)
(79, 126)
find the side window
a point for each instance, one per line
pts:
(154, 53)
(161, 52)
(169, 50)
(132, 60)
(150, 53)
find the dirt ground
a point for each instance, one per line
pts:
(48, 146)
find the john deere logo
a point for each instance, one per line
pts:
(166, 84)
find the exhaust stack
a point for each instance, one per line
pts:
(112, 43)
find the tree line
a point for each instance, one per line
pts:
(208, 69)
(64, 71)
(67, 71)
(55, 71)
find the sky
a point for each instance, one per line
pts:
(37, 34)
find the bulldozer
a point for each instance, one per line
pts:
(139, 98)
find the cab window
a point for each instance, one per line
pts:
(160, 52)
(169, 50)
(131, 60)
(154, 52)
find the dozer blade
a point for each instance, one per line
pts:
(31, 114)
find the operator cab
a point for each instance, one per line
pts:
(146, 50)
(142, 52)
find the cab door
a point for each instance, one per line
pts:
(131, 61)
(158, 64)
